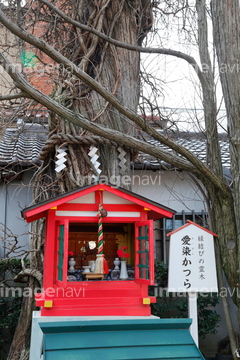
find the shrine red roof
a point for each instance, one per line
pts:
(39, 210)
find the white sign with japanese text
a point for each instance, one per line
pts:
(192, 266)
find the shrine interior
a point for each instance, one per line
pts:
(82, 243)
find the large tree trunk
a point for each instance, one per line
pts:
(222, 222)
(226, 30)
(208, 91)
(221, 205)
(21, 341)
(118, 71)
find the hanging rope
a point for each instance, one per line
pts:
(101, 263)
(56, 139)
(100, 230)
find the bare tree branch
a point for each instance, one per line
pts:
(198, 167)
(140, 49)
(13, 96)
(29, 272)
(98, 129)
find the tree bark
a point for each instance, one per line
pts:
(221, 206)
(208, 90)
(226, 31)
(223, 223)
(116, 70)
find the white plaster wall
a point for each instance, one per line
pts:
(14, 196)
(173, 189)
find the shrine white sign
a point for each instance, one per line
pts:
(192, 266)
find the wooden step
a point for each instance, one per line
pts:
(97, 311)
(88, 302)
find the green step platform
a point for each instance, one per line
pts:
(118, 339)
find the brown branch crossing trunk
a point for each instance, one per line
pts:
(117, 70)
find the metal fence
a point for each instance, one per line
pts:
(165, 226)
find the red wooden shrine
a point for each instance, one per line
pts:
(71, 226)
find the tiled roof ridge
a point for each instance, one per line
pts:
(190, 135)
(22, 145)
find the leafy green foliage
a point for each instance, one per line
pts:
(10, 307)
(161, 273)
(207, 318)
(11, 266)
(9, 313)
(170, 306)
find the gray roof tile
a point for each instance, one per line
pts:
(22, 146)
(194, 142)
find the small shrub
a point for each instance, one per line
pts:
(168, 306)
(10, 307)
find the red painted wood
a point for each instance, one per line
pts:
(123, 207)
(153, 299)
(114, 298)
(49, 250)
(94, 207)
(55, 256)
(39, 302)
(151, 253)
(90, 298)
(98, 197)
(118, 311)
(151, 280)
(141, 202)
(65, 261)
(95, 302)
(78, 207)
(143, 289)
(136, 231)
(152, 215)
(35, 217)
(91, 219)
(79, 298)
(103, 288)
(144, 215)
(40, 211)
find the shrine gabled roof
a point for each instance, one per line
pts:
(39, 210)
(189, 222)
